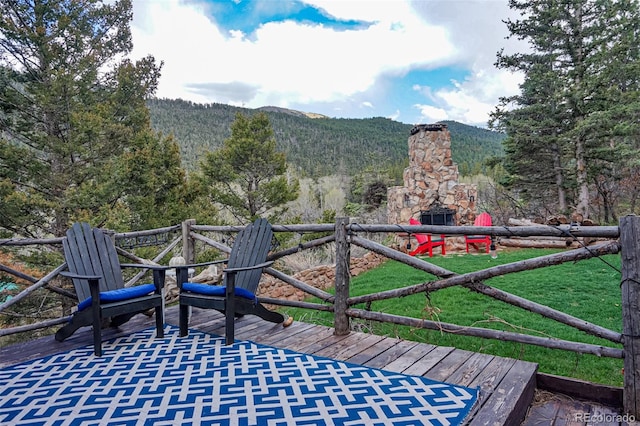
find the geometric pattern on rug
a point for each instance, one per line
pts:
(197, 380)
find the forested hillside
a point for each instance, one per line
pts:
(316, 146)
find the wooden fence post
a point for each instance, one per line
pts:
(630, 253)
(343, 277)
(188, 243)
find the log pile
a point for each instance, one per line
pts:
(568, 242)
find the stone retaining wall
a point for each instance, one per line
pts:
(322, 277)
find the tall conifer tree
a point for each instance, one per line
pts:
(568, 118)
(247, 175)
(75, 136)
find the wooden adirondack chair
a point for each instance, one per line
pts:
(483, 219)
(96, 272)
(426, 242)
(236, 297)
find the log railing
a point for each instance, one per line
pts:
(624, 239)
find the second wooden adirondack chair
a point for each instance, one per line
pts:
(483, 219)
(96, 272)
(426, 242)
(237, 295)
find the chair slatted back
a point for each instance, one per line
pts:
(421, 238)
(251, 247)
(90, 251)
(483, 219)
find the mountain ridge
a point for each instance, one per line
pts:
(270, 108)
(318, 146)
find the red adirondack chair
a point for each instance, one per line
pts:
(426, 242)
(483, 219)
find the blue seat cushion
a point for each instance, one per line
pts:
(217, 290)
(120, 295)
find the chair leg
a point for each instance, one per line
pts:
(268, 315)
(71, 327)
(184, 320)
(230, 309)
(229, 328)
(159, 321)
(97, 332)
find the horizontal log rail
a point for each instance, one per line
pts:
(344, 234)
(496, 231)
(487, 333)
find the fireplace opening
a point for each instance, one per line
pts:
(438, 216)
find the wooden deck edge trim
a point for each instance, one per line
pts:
(521, 408)
(575, 388)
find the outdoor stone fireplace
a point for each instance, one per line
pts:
(431, 190)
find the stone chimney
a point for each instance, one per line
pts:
(431, 180)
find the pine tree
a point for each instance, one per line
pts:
(75, 135)
(247, 175)
(572, 92)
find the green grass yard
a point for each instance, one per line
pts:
(589, 289)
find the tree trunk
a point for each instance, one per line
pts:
(581, 178)
(557, 168)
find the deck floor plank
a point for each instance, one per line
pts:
(448, 365)
(399, 348)
(346, 347)
(490, 378)
(509, 401)
(299, 341)
(371, 352)
(410, 357)
(287, 336)
(318, 345)
(369, 341)
(470, 369)
(428, 361)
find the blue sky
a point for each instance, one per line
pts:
(411, 61)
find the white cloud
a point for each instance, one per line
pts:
(290, 63)
(472, 100)
(394, 116)
(431, 114)
(286, 60)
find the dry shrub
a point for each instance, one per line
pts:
(9, 260)
(307, 259)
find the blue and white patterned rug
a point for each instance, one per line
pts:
(197, 380)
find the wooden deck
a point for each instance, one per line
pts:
(507, 386)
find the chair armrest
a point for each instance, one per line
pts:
(248, 268)
(94, 285)
(80, 277)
